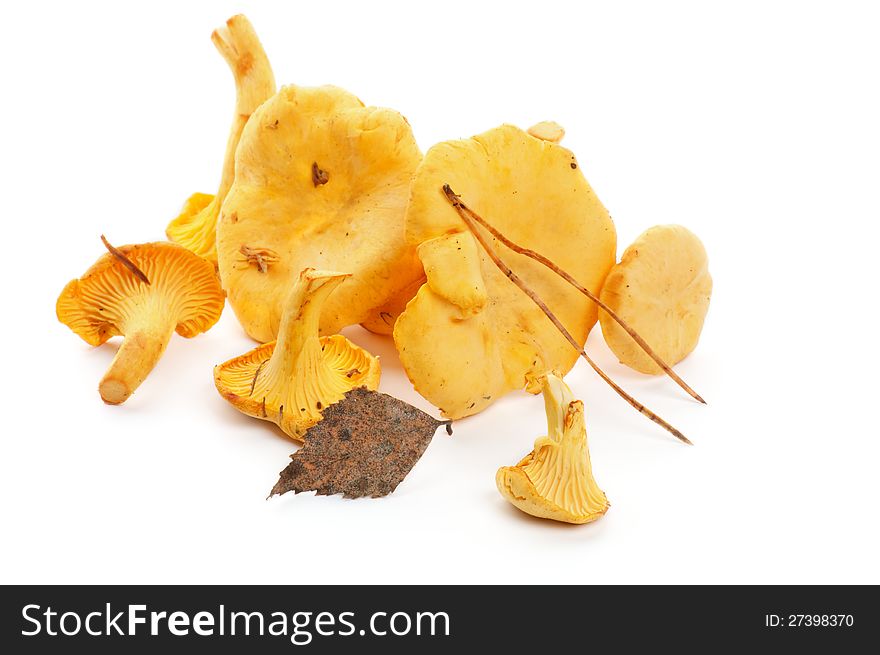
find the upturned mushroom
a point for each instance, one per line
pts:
(471, 335)
(555, 480)
(321, 181)
(291, 380)
(661, 287)
(145, 293)
(195, 228)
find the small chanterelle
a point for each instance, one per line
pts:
(289, 381)
(555, 480)
(146, 293)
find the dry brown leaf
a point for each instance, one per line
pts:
(363, 446)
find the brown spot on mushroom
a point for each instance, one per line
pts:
(353, 371)
(244, 64)
(319, 175)
(260, 257)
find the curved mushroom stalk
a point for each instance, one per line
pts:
(291, 380)
(239, 45)
(145, 293)
(237, 42)
(555, 481)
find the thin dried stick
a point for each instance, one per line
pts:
(254, 381)
(513, 277)
(538, 257)
(130, 265)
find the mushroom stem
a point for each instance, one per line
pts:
(237, 42)
(136, 357)
(557, 398)
(298, 332)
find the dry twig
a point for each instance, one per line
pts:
(130, 265)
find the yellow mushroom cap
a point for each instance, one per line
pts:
(321, 181)
(291, 380)
(555, 481)
(661, 288)
(382, 319)
(470, 335)
(183, 295)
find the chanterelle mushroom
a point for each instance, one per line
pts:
(144, 292)
(289, 381)
(196, 225)
(555, 480)
(661, 288)
(470, 335)
(320, 181)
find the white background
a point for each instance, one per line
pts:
(754, 124)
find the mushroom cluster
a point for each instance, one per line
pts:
(489, 260)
